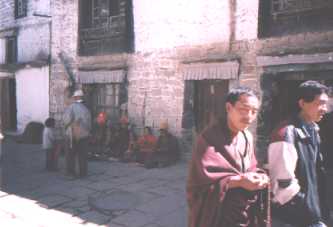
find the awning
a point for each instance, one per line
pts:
(200, 71)
(101, 76)
(266, 61)
(6, 75)
(8, 32)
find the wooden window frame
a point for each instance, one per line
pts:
(11, 55)
(23, 12)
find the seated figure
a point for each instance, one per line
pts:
(120, 139)
(146, 145)
(166, 150)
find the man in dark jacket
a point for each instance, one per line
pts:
(223, 183)
(295, 162)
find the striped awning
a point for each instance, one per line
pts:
(266, 61)
(200, 71)
(101, 76)
(6, 75)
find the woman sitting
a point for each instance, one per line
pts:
(146, 145)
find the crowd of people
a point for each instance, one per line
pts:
(225, 187)
(86, 138)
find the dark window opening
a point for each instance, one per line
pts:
(11, 50)
(281, 17)
(20, 8)
(97, 13)
(105, 26)
(114, 7)
(105, 98)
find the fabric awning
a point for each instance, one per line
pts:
(266, 61)
(101, 76)
(200, 71)
(6, 75)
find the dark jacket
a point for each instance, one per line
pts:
(306, 206)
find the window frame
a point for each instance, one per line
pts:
(19, 14)
(12, 57)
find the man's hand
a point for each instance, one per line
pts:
(250, 181)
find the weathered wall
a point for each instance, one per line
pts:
(186, 23)
(33, 31)
(63, 52)
(32, 95)
(2, 50)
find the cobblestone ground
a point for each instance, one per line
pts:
(114, 194)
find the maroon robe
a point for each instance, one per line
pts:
(211, 167)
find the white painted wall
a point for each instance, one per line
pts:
(33, 42)
(32, 95)
(2, 51)
(162, 24)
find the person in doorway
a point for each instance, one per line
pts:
(224, 184)
(77, 118)
(295, 162)
(166, 150)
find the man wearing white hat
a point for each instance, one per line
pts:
(77, 118)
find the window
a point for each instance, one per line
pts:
(283, 17)
(11, 50)
(280, 7)
(96, 13)
(114, 7)
(20, 8)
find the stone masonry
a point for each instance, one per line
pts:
(164, 42)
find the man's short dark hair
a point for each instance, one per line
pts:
(50, 122)
(235, 93)
(308, 90)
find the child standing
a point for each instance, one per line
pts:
(49, 144)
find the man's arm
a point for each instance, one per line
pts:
(282, 160)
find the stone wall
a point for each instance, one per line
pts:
(33, 31)
(63, 54)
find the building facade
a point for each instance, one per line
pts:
(24, 62)
(175, 60)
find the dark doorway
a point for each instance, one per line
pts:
(8, 104)
(209, 98)
(284, 101)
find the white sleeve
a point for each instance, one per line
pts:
(282, 160)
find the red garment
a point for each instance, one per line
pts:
(147, 143)
(211, 167)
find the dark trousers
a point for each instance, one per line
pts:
(78, 152)
(51, 159)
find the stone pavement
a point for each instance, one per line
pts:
(114, 194)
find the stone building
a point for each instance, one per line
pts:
(24, 62)
(176, 60)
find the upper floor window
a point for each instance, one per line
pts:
(11, 50)
(20, 8)
(97, 13)
(280, 17)
(105, 26)
(285, 7)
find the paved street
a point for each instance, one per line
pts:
(114, 194)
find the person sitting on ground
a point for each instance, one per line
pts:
(50, 145)
(166, 151)
(131, 153)
(146, 145)
(121, 139)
